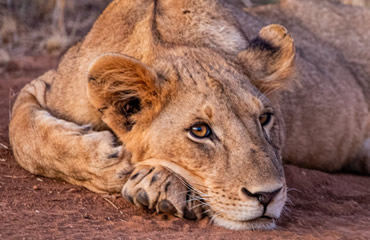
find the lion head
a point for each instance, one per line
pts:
(207, 116)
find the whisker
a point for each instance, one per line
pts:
(200, 204)
(289, 201)
(192, 200)
(199, 199)
(207, 211)
(213, 218)
(293, 189)
(186, 184)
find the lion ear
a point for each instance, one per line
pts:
(269, 59)
(121, 87)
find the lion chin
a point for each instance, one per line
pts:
(260, 223)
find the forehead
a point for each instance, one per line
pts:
(211, 79)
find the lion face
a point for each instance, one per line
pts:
(205, 117)
(228, 145)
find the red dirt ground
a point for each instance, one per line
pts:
(323, 206)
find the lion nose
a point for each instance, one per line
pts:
(263, 197)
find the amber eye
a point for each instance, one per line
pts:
(200, 130)
(265, 119)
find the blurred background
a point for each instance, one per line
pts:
(39, 27)
(45, 26)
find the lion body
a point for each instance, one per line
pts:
(322, 124)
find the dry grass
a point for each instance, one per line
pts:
(45, 26)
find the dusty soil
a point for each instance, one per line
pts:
(322, 206)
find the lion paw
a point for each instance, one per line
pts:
(109, 162)
(158, 189)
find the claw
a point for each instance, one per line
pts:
(142, 198)
(189, 215)
(155, 188)
(128, 197)
(166, 207)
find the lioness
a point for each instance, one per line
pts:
(171, 101)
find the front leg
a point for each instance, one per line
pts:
(156, 188)
(52, 147)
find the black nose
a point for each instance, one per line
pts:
(263, 197)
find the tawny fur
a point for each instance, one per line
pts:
(140, 77)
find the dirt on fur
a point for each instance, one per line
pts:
(320, 206)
